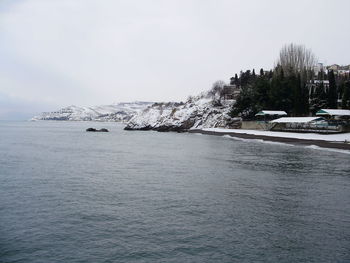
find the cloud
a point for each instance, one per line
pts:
(87, 52)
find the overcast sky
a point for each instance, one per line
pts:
(55, 53)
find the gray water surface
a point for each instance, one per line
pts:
(129, 196)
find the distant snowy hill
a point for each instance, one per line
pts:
(120, 112)
(208, 110)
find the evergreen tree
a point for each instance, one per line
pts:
(319, 99)
(281, 90)
(346, 96)
(261, 72)
(341, 87)
(332, 91)
(304, 98)
(253, 96)
(311, 96)
(323, 93)
(244, 107)
(246, 78)
(270, 74)
(262, 89)
(290, 88)
(320, 75)
(297, 97)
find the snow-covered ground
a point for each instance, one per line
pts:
(340, 137)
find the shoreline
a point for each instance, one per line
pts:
(293, 141)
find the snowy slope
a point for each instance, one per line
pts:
(205, 110)
(120, 112)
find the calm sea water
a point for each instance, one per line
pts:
(71, 196)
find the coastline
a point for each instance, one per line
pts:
(294, 141)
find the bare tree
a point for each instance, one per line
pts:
(296, 58)
(217, 88)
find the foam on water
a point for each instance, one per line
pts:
(312, 147)
(257, 140)
(315, 147)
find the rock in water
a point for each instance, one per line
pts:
(94, 130)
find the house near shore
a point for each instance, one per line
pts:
(270, 114)
(337, 117)
(263, 118)
(325, 121)
(302, 124)
(334, 113)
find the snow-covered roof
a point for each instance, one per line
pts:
(333, 112)
(271, 112)
(296, 119)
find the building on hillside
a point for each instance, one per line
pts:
(318, 68)
(343, 72)
(333, 67)
(313, 84)
(340, 70)
(231, 92)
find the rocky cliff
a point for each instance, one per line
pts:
(120, 112)
(208, 110)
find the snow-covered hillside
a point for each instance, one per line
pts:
(120, 112)
(204, 111)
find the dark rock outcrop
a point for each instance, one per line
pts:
(95, 130)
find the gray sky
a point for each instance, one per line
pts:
(55, 53)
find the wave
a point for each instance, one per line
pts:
(315, 147)
(312, 147)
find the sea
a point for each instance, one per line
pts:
(67, 195)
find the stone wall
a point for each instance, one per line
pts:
(254, 125)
